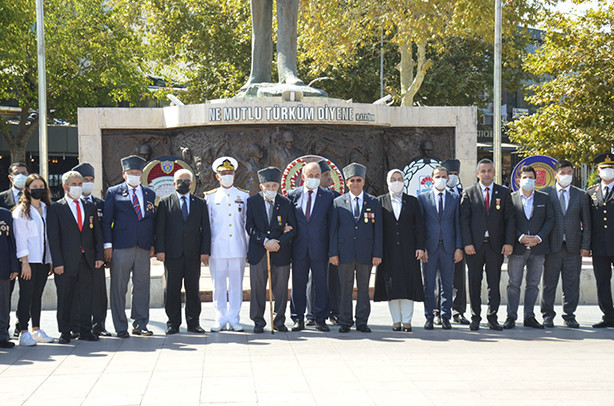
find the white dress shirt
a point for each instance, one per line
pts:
(397, 204)
(187, 200)
(139, 195)
(73, 208)
(443, 198)
(527, 204)
(306, 199)
(16, 193)
(567, 193)
(31, 235)
(353, 202)
(603, 186)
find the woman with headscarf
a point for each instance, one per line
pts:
(398, 280)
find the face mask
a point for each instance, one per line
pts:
(312, 183)
(565, 180)
(227, 180)
(183, 187)
(88, 188)
(606, 174)
(38, 194)
(440, 183)
(133, 180)
(453, 181)
(75, 191)
(270, 194)
(19, 180)
(527, 184)
(396, 187)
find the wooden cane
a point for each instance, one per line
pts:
(268, 262)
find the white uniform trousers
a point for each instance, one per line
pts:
(227, 276)
(401, 310)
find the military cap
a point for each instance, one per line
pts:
(133, 162)
(225, 163)
(270, 174)
(604, 160)
(354, 169)
(452, 165)
(324, 166)
(85, 169)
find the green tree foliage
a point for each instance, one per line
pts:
(575, 98)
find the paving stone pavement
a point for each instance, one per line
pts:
(523, 366)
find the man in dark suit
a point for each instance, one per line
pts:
(8, 272)
(312, 206)
(487, 224)
(602, 235)
(570, 240)
(534, 220)
(443, 245)
(183, 241)
(128, 230)
(356, 245)
(75, 242)
(271, 226)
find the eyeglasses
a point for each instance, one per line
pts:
(357, 180)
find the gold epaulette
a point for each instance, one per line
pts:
(210, 191)
(243, 190)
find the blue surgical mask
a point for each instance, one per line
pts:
(527, 184)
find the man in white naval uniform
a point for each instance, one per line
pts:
(227, 212)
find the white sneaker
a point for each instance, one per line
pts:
(217, 327)
(26, 340)
(236, 327)
(41, 337)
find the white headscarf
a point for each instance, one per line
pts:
(389, 182)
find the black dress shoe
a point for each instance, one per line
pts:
(171, 330)
(494, 325)
(334, 320)
(299, 325)
(475, 325)
(258, 329)
(571, 323)
(363, 328)
(74, 335)
(437, 321)
(344, 329)
(64, 338)
(532, 322)
(548, 323)
(429, 324)
(407, 328)
(603, 324)
(310, 322)
(101, 332)
(395, 328)
(321, 325)
(123, 334)
(460, 319)
(196, 329)
(17, 331)
(88, 337)
(6, 344)
(509, 323)
(141, 332)
(281, 328)
(445, 324)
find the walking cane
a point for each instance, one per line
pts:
(268, 262)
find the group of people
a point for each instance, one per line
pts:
(329, 241)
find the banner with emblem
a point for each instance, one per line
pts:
(159, 173)
(291, 177)
(544, 170)
(418, 175)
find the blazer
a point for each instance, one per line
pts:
(311, 238)
(98, 202)
(30, 235)
(448, 224)
(178, 238)
(120, 224)
(67, 242)
(575, 224)
(259, 229)
(408, 231)
(8, 250)
(7, 200)
(360, 240)
(475, 221)
(602, 222)
(540, 223)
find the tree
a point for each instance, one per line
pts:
(93, 58)
(575, 97)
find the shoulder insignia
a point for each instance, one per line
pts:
(243, 190)
(210, 191)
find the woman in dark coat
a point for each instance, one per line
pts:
(398, 280)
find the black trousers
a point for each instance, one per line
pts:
(186, 270)
(602, 267)
(493, 260)
(74, 307)
(459, 292)
(77, 284)
(99, 299)
(333, 290)
(30, 295)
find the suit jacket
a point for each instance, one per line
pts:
(475, 221)
(120, 224)
(7, 200)
(99, 203)
(65, 239)
(575, 224)
(259, 229)
(8, 249)
(360, 240)
(540, 223)
(602, 221)
(311, 238)
(448, 224)
(178, 238)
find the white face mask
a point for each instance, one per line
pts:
(440, 183)
(270, 194)
(312, 183)
(453, 181)
(19, 180)
(227, 180)
(75, 192)
(527, 184)
(565, 180)
(396, 187)
(133, 180)
(88, 188)
(606, 174)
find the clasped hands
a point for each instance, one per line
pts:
(530, 241)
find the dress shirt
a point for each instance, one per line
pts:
(16, 193)
(306, 198)
(490, 188)
(139, 195)
(73, 208)
(567, 194)
(603, 186)
(397, 204)
(527, 204)
(187, 200)
(436, 194)
(353, 201)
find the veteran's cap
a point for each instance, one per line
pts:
(133, 162)
(354, 169)
(270, 174)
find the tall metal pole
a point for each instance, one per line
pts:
(496, 134)
(42, 92)
(381, 66)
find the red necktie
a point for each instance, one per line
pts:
(308, 209)
(79, 221)
(487, 200)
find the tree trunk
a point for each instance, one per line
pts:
(410, 84)
(18, 143)
(406, 70)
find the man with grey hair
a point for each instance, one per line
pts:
(75, 242)
(183, 241)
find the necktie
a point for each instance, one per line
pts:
(270, 210)
(487, 200)
(184, 207)
(136, 205)
(79, 220)
(440, 204)
(563, 202)
(356, 209)
(308, 209)
(607, 193)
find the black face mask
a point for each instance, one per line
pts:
(38, 193)
(183, 187)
